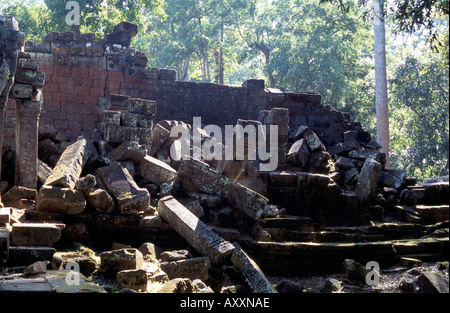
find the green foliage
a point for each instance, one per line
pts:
(420, 111)
(295, 45)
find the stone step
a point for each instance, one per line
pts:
(296, 258)
(298, 223)
(426, 257)
(299, 258)
(433, 213)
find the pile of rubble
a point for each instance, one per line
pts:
(130, 208)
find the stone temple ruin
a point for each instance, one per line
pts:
(88, 179)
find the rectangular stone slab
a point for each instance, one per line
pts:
(24, 256)
(156, 171)
(35, 235)
(196, 233)
(368, 179)
(196, 176)
(121, 186)
(255, 278)
(4, 244)
(69, 167)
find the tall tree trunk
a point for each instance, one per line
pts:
(381, 93)
(266, 52)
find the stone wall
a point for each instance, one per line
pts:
(82, 73)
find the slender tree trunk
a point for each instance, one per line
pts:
(266, 52)
(381, 93)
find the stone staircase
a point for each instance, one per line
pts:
(299, 246)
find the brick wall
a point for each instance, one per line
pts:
(81, 74)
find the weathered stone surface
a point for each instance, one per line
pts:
(196, 176)
(87, 261)
(31, 234)
(433, 282)
(345, 163)
(209, 201)
(368, 179)
(5, 216)
(255, 278)
(150, 222)
(69, 167)
(299, 133)
(178, 285)
(194, 206)
(86, 184)
(351, 176)
(199, 236)
(39, 267)
(343, 148)
(393, 178)
(156, 171)
(148, 248)
(60, 200)
(364, 154)
(142, 106)
(191, 268)
(175, 255)
(18, 193)
(23, 256)
(129, 150)
(121, 186)
(119, 260)
(44, 171)
(101, 201)
(50, 282)
(298, 155)
(314, 142)
(136, 279)
(4, 244)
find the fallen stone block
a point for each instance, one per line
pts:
(343, 148)
(351, 176)
(433, 282)
(4, 244)
(368, 179)
(121, 186)
(176, 255)
(255, 278)
(60, 200)
(313, 141)
(298, 155)
(136, 279)
(178, 285)
(393, 178)
(18, 193)
(209, 201)
(129, 150)
(196, 176)
(194, 206)
(364, 154)
(345, 163)
(86, 184)
(156, 171)
(196, 233)
(191, 268)
(44, 171)
(24, 256)
(39, 267)
(101, 201)
(5, 216)
(159, 136)
(69, 167)
(35, 235)
(142, 106)
(112, 262)
(299, 133)
(150, 222)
